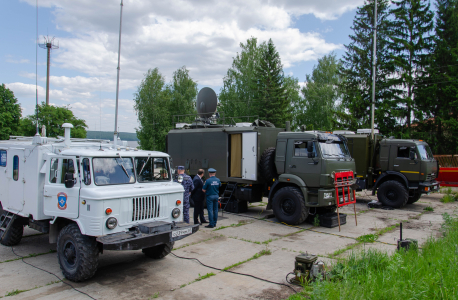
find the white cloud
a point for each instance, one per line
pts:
(202, 35)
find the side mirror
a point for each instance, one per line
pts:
(69, 180)
(310, 155)
(412, 154)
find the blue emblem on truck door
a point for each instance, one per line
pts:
(62, 201)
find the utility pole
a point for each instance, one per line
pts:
(374, 55)
(49, 45)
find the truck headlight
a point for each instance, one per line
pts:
(112, 223)
(327, 195)
(176, 213)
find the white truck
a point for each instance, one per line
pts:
(90, 196)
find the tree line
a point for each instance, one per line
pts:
(416, 94)
(52, 117)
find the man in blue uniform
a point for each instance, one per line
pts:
(211, 189)
(188, 187)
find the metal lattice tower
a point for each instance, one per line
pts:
(48, 44)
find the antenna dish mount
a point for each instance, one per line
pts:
(206, 102)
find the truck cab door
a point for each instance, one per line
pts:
(62, 187)
(404, 164)
(299, 163)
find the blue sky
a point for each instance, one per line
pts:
(202, 35)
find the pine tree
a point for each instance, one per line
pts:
(356, 72)
(271, 99)
(410, 44)
(438, 85)
(239, 88)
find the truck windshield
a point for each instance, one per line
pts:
(113, 170)
(425, 152)
(151, 169)
(334, 149)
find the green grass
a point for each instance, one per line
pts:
(28, 256)
(449, 195)
(195, 280)
(368, 238)
(316, 220)
(257, 255)
(240, 223)
(428, 208)
(429, 273)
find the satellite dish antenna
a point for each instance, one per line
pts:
(206, 102)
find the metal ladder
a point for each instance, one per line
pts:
(6, 221)
(227, 194)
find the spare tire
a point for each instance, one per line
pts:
(267, 165)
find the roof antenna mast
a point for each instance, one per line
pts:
(115, 137)
(49, 45)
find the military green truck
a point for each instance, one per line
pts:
(399, 171)
(293, 169)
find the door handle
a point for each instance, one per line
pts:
(48, 196)
(292, 166)
(395, 165)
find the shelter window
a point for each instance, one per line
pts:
(15, 168)
(2, 158)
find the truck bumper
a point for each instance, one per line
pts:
(428, 187)
(147, 235)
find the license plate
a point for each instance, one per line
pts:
(181, 232)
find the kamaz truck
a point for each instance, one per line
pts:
(90, 196)
(399, 171)
(294, 170)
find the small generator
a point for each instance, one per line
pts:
(306, 268)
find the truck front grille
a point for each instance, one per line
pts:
(430, 177)
(145, 208)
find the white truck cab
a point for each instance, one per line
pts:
(89, 196)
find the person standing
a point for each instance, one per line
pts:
(211, 189)
(188, 187)
(198, 196)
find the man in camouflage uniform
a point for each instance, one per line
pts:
(188, 187)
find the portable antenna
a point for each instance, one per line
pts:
(36, 74)
(115, 137)
(49, 45)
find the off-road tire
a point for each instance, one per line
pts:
(289, 207)
(78, 254)
(159, 251)
(267, 165)
(393, 193)
(414, 198)
(14, 235)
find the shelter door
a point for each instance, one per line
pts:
(249, 155)
(58, 199)
(16, 182)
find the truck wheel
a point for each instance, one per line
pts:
(159, 251)
(267, 165)
(78, 254)
(14, 235)
(392, 193)
(289, 206)
(414, 198)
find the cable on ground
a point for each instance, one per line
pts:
(243, 274)
(22, 258)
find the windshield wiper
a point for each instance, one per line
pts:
(122, 165)
(144, 165)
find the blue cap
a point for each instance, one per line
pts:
(211, 170)
(180, 167)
